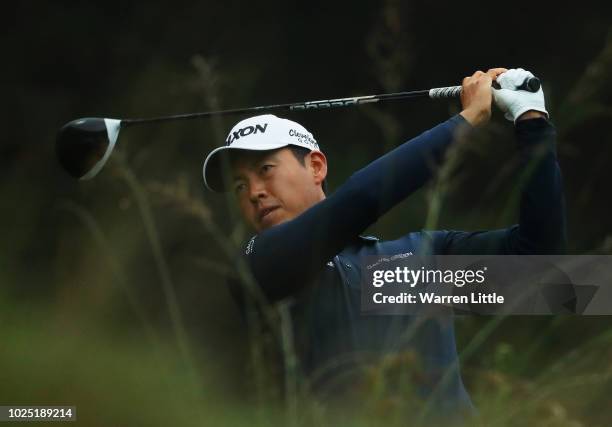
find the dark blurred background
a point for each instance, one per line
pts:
(137, 258)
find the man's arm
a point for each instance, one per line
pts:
(541, 227)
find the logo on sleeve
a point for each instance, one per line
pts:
(250, 245)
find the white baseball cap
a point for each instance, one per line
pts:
(259, 133)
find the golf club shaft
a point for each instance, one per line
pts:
(446, 92)
(531, 84)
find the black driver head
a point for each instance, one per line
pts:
(83, 145)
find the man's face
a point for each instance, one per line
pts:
(273, 186)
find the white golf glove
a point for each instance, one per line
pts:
(514, 102)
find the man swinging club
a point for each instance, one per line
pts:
(308, 245)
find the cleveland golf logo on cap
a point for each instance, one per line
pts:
(304, 138)
(245, 131)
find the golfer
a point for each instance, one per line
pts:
(307, 248)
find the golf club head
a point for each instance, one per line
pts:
(84, 145)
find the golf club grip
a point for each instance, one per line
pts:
(445, 92)
(530, 84)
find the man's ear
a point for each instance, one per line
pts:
(318, 166)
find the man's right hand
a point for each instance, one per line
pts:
(476, 96)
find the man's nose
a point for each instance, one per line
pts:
(257, 190)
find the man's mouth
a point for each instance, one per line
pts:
(263, 213)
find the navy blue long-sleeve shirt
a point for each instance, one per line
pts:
(314, 258)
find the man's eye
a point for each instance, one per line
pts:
(266, 168)
(239, 188)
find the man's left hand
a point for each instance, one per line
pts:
(518, 104)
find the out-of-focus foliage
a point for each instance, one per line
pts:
(113, 292)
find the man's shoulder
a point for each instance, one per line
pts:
(416, 241)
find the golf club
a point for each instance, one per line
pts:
(83, 146)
